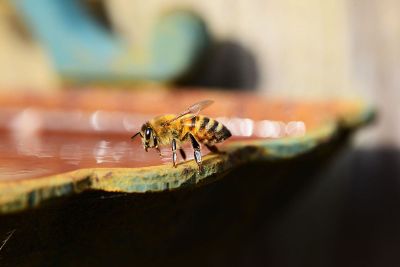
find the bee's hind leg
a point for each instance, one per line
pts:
(197, 152)
(174, 152)
(183, 154)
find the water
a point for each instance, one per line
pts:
(38, 141)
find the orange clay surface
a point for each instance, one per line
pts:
(43, 135)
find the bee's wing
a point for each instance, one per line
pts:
(193, 109)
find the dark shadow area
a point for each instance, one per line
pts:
(225, 65)
(349, 217)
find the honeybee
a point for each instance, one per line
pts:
(175, 130)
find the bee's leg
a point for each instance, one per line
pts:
(155, 140)
(174, 152)
(197, 153)
(183, 154)
(158, 150)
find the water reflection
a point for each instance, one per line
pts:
(295, 128)
(106, 151)
(270, 129)
(239, 126)
(100, 151)
(50, 153)
(120, 150)
(39, 143)
(26, 123)
(244, 127)
(32, 121)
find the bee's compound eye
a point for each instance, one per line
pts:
(147, 133)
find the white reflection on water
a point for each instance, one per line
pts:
(100, 152)
(94, 121)
(270, 129)
(30, 121)
(119, 151)
(26, 123)
(245, 127)
(123, 151)
(295, 128)
(115, 121)
(25, 128)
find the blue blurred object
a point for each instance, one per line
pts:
(83, 50)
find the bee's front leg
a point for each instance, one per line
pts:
(155, 140)
(197, 152)
(174, 152)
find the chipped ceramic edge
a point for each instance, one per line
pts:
(19, 195)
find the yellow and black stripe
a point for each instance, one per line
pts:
(207, 130)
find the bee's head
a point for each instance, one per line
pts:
(149, 138)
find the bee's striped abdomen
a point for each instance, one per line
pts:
(207, 130)
(204, 123)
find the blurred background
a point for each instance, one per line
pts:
(296, 49)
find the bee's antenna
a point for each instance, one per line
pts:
(133, 136)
